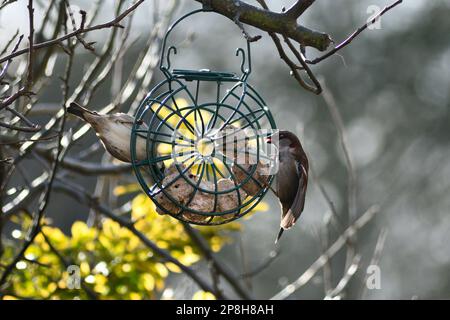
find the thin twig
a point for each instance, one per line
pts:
(86, 45)
(298, 8)
(348, 275)
(273, 255)
(375, 257)
(350, 166)
(29, 81)
(324, 235)
(320, 261)
(113, 23)
(293, 66)
(16, 46)
(220, 267)
(349, 39)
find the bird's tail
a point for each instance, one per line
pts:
(286, 223)
(288, 220)
(279, 235)
(77, 110)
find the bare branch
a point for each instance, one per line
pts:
(350, 166)
(19, 128)
(348, 275)
(273, 255)
(5, 3)
(113, 23)
(347, 41)
(16, 46)
(376, 256)
(320, 262)
(29, 82)
(197, 238)
(86, 45)
(271, 22)
(317, 88)
(298, 8)
(292, 65)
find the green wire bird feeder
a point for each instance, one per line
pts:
(205, 136)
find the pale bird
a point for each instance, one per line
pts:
(114, 131)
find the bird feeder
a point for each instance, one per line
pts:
(205, 134)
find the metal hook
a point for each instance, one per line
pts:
(171, 48)
(240, 50)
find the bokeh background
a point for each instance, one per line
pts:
(391, 86)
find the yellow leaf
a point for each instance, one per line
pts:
(164, 148)
(173, 267)
(101, 284)
(262, 207)
(162, 244)
(148, 281)
(111, 229)
(126, 189)
(85, 268)
(203, 295)
(52, 287)
(189, 257)
(135, 296)
(126, 267)
(82, 233)
(161, 269)
(167, 163)
(56, 236)
(141, 206)
(181, 103)
(79, 228)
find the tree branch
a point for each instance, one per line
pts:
(321, 261)
(270, 21)
(112, 23)
(297, 9)
(197, 238)
(347, 41)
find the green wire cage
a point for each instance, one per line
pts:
(206, 159)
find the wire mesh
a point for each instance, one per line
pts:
(206, 161)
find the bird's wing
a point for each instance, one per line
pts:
(299, 201)
(124, 118)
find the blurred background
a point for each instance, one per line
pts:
(391, 87)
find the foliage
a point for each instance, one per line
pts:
(113, 262)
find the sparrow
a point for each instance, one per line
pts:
(292, 178)
(114, 131)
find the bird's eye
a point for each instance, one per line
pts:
(176, 186)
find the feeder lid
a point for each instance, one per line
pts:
(205, 75)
